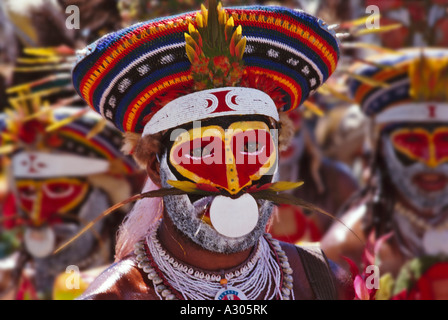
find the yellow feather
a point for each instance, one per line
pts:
(369, 81)
(190, 41)
(191, 53)
(378, 30)
(230, 22)
(204, 12)
(328, 90)
(229, 27)
(97, 128)
(40, 51)
(39, 60)
(191, 28)
(285, 185)
(42, 111)
(359, 21)
(199, 20)
(236, 37)
(313, 108)
(240, 47)
(186, 186)
(65, 121)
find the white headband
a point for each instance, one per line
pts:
(209, 104)
(415, 112)
(47, 165)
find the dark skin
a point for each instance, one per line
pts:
(130, 282)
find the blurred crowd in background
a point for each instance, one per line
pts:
(332, 153)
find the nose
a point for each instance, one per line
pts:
(36, 210)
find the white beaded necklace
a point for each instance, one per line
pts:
(260, 272)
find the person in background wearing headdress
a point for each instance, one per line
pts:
(65, 168)
(35, 24)
(328, 183)
(401, 216)
(202, 117)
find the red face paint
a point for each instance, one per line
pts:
(251, 150)
(421, 145)
(230, 159)
(44, 200)
(440, 138)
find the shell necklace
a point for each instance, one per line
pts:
(268, 267)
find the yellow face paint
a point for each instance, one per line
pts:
(43, 199)
(231, 158)
(418, 144)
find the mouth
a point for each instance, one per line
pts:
(431, 182)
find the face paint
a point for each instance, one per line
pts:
(244, 152)
(229, 159)
(41, 200)
(418, 144)
(422, 183)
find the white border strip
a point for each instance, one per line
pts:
(204, 105)
(47, 165)
(415, 112)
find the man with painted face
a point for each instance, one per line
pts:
(406, 200)
(60, 179)
(206, 125)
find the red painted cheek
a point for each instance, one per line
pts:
(413, 144)
(26, 204)
(441, 146)
(53, 199)
(204, 158)
(251, 151)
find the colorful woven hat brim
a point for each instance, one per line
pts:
(376, 100)
(126, 74)
(72, 139)
(104, 145)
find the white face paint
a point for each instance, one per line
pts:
(403, 178)
(434, 242)
(187, 217)
(40, 242)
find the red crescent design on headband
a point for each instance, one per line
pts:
(222, 104)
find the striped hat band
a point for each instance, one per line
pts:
(412, 86)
